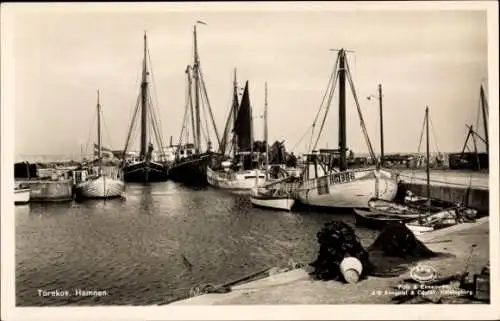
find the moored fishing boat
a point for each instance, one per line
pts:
(272, 201)
(377, 221)
(431, 214)
(243, 172)
(327, 181)
(21, 194)
(101, 183)
(192, 170)
(275, 195)
(145, 168)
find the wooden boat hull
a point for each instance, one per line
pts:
(22, 196)
(349, 189)
(145, 172)
(377, 221)
(279, 203)
(387, 208)
(191, 171)
(242, 180)
(101, 187)
(418, 229)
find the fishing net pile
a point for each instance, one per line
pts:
(398, 241)
(338, 240)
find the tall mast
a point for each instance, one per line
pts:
(144, 111)
(484, 103)
(234, 110)
(196, 92)
(265, 132)
(342, 111)
(190, 102)
(99, 138)
(427, 169)
(251, 134)
(381, 125)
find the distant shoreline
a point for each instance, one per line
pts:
(59, 158)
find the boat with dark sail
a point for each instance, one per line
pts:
(243, 172)
(191, 168)
(327, 181)
(146, 166)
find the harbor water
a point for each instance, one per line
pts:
(155, 245)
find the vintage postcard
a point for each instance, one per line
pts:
(250, 160)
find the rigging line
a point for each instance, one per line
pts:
(418, 155)
(157, 130)
(331, 79)
(478, 136)
(478, 111)
(90, 134)
(187, 109)
(184, 123)
(132, 123)
(223, 146)
(206, 121)
(208, 103)
(136, 85)
(363, 126)
(329, 104)
(204, 129)
(154, 86)
(192, 112)
(106, 129)
(155, 133)
(434, 135)
(421, 136)
(156, 123)
(301, 139)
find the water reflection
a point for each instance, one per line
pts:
(140, 244)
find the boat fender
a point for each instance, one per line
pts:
(351, 269)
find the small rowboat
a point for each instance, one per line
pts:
(418, 228)
(273, 202)
(378, 221)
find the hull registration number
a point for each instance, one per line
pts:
(342, 178)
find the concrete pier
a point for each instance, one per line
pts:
(297, 287)
(469, 188)
(50, 191)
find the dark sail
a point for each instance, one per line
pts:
(242, 126)
(230, 123)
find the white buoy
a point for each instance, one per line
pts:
(351, 269)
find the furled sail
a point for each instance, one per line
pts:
(243, 123)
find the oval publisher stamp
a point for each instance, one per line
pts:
(423, 273)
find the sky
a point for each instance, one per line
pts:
(62, 54)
